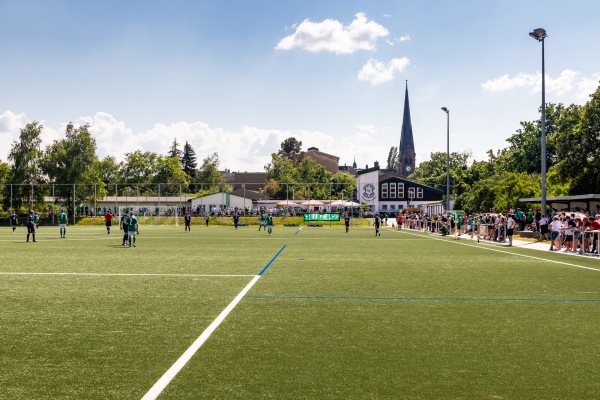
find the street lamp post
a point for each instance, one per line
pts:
(539, 34)
(447, 157)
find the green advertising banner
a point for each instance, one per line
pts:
(322, 217)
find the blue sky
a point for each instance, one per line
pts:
(238, 77)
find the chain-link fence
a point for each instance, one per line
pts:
(164, 200)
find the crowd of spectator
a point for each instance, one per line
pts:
(570, 231)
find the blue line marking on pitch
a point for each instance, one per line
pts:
(357, 298)
(272, 260)
(298, 231)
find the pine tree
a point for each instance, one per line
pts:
(174, 150)
(188, 160)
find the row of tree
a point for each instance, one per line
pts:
(70, 169)
(573, 162)
(573, 166)
(291, 175)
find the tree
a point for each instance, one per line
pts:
(578, 146)
(343, 184)
(24, 159)
(281, 170)
(211, 179)
(291, 149)
(4, 177)
(172, 179)
(524, 151)
(108, 172)
(314, 179)
(174, 150)
(188, 160)
(73, 161)
(433, 172)
(137, 173)
(500, 192)
(392, 160)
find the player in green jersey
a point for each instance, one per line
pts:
(269, 223)
(263, 221)
(132, 228)
(62, 223)
(36, 220)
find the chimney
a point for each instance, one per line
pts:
(376, 164)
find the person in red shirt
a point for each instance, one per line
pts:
(595, 226)
(108, 219)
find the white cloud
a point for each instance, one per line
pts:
(568, 81)
(587, 86)
(404, 38)
(376, 72)
(332, 36)
(505, 82)
(248, 149)
(10, 128)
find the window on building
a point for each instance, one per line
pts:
(411, 193)
(384, 207)
(400, 190)
(392, 190)
(384, 190)
(393, 206)
(419, 193)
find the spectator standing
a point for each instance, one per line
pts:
(543, 226)
(555, 235)
(510, 228)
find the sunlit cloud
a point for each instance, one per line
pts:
(377, 72)
(335, 37)
(568, 81)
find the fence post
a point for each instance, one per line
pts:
(159, 204)
(74, 220)
(95, 202)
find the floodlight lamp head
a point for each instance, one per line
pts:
(445, 110)
(538, 34)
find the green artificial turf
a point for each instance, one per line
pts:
(335, 315)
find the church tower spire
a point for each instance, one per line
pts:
(406, 151)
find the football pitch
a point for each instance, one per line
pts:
(311, 313)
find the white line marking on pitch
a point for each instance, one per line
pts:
(168, 376)
(509, 252)
(107, 274)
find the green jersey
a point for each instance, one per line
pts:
(132, 224)
(35, 218)
(263, 217)
(62, 218)
(269, 220)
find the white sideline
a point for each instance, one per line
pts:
(463, 243)
(168, 376)
(117, 274)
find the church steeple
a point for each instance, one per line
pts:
(406, 151)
